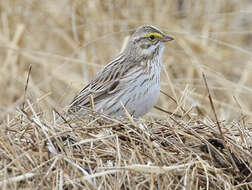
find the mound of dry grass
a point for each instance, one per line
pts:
(97, 152)
(199, 137)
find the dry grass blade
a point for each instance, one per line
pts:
(155, 169)
(213, 108)
(26, 85)
(17, 178)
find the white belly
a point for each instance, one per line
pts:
(139, 95)
(138, 101)
(145, 102)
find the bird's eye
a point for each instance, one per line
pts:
(152, 37)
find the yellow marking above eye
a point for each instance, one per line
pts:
(155, 34)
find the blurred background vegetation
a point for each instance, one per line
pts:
(67, 41)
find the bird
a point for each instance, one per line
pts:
(131, 81)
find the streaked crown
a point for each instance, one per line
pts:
(151, 33)
(146, 41)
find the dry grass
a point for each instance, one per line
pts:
(198, 141)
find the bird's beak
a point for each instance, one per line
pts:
(167, 38)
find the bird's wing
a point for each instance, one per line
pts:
(105, 83)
